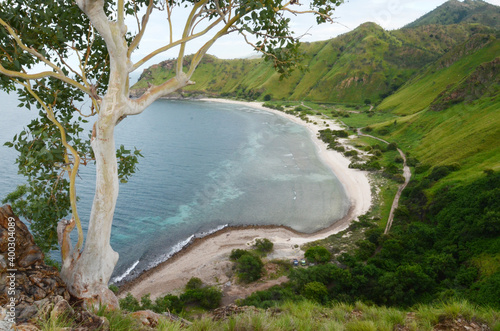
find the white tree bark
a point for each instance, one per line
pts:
(87, 273)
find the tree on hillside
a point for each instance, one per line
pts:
(60, 54)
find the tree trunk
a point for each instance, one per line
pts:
(87, 273)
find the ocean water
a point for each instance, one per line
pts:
(206, 165)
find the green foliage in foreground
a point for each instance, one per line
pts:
(307, 315)
(195, 295)
(441, 246)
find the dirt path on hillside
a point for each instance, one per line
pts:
(406, 175)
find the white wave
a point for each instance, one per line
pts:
(126, 273)
(180, 246)
(209, 232)
(177, 247)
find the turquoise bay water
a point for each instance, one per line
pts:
(207, 165)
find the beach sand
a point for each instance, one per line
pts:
(208, 258)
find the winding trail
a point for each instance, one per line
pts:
(406, 175)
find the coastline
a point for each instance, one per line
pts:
(207, 257)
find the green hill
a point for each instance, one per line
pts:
(367, 63)
(468, 11)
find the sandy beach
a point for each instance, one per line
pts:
(207, 258)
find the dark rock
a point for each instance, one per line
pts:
(31, 255)
(33, 279)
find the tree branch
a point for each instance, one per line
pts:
(43, 74)
(94, 9)
(174, 44)
(142, 29)
(189, 23)
(29, 49)
(298, 12)
(137, 106)
(72, 172)
(203, 50)
(58, 74)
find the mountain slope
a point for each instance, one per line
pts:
(455, 12)
(367, 63)
(449, 111)
(420, 91)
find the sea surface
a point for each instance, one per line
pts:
(206, 165)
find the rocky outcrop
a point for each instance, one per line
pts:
(24, 277)
(32, 292)
(484, 81)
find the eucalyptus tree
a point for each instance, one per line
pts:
(59, 55)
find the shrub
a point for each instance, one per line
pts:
(316, 291)
(237, 253)
(392, 147)
(207, 297)
(146, 302)
(194, 283)
(318, 254)
(263, 245)
(249, 267)
(351, 153)
(114, 288)
(170, 303)
(130, 303)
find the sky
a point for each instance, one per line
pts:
(389, 14)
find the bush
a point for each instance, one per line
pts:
(207, 297)
(249, 267)
(392, 147)
(146, 302)
(237, 253)
(130, 303)
(316, 291)
(194, 283)
(114, 288)
(351, 153)
(263, 245)
(170, 303)
(318, 254)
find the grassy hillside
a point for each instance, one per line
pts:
(454, 12)
(312, 316)
(441, 75)
(455, 104)
(367, 63)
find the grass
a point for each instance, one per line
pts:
(365, 118)
(307, 315)
(419, 93)
(54, 323)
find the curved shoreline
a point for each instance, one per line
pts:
(207, 257)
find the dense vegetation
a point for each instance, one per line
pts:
(439, 247)
(195, 294)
